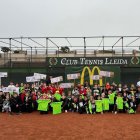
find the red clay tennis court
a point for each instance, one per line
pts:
(69, 126)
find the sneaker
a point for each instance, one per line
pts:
(11, 113)
(115, 112)
(17, 114)
(66, 111)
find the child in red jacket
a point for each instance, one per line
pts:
(34, 98)
(83, 91)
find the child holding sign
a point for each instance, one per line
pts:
(112, 98)
(105, 102)
(43, 103)
(99, 105)
(119, 103)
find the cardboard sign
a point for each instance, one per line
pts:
(3, 74)
(138, 83)
(106, 74)
(73, 76)
(56, 79)
(32, 79)
(16, 90)
(10, 89)
(66, 85)
(42, 76)
(96, 77)
(5, 89)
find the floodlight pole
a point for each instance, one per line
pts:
(10, 50)
(84, 47)
(122, 46)
(103, 45)
(31, 54)
(21, 43)
(46, 46)
(55, 45)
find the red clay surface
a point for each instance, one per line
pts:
(69, 126)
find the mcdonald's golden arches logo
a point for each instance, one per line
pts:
(91, 73)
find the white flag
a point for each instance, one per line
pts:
(66, 85)
(73, 76)
(3, 74)
(32, 79)
(56, 79)
(42, 76)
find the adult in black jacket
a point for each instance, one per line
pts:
(2, 97)
(28, 103)
(15, 103)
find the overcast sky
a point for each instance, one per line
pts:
(69, 17)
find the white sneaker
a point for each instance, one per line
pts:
(66, 111)
(115, 112)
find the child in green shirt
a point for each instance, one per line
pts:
(112, 99)
(119, 103)
(99, 105)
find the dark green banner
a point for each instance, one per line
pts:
(92, 61)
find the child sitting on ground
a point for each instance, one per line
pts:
(6, 105)
(91, 104)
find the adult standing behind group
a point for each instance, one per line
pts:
(138, 93)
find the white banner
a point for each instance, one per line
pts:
(16, 90)
(11, 89)
(66, 85)
(56, 79)
(32, 79)
(138, 83)
(96, 77)
(5, 89)
(106, 74)
(3, 74)
(73, 76)
(42, 76)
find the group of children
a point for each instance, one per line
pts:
(81, 99)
